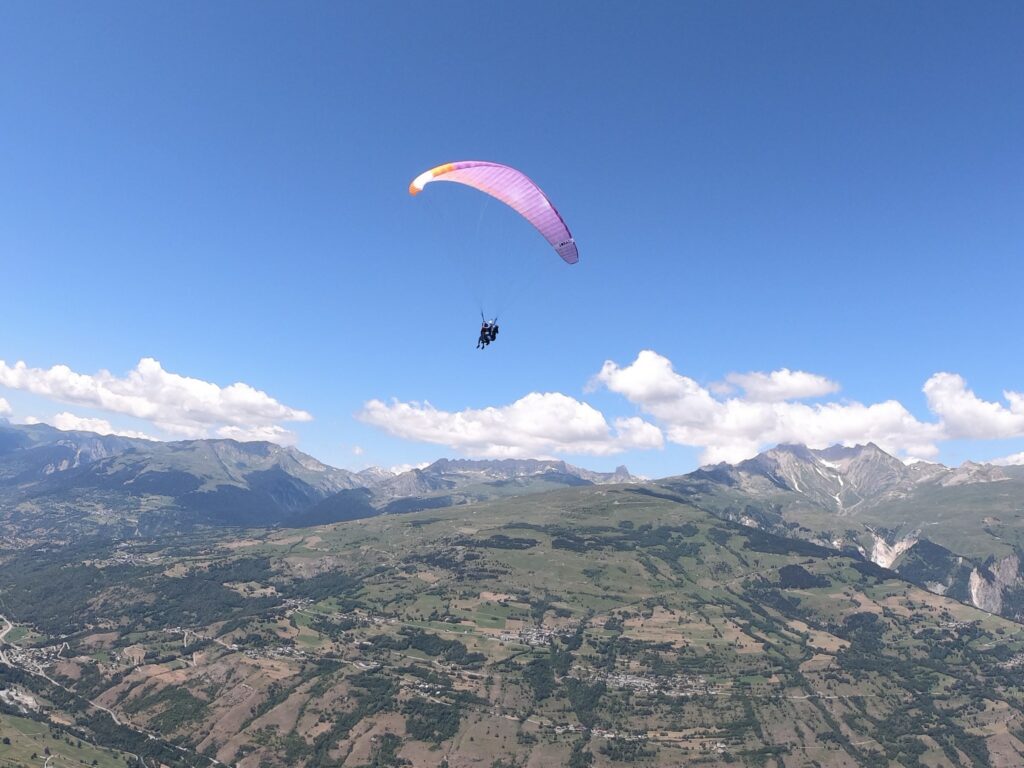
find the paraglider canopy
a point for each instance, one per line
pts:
(515, 189)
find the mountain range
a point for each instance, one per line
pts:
(955, 531)
(59, 483)
(533, 611)
(597, 625)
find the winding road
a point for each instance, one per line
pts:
(113, 715)
(3, 638)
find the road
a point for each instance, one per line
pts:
(113, 715)
(3, 637)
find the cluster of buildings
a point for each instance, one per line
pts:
(275, 652)
(535, 634)
(1014, 662)
(358, 617)
(601, 732)
(34, 659)
(429, 690)
(672, 686)
(292, 604)
(125, 557)
(957, 624)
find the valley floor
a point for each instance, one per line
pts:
(594, 626)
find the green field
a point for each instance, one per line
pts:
(591, 626)
(33, 743)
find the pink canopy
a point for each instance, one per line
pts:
(513, 188)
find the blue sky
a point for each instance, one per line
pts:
(830, 188)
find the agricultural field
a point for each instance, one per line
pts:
(29, 742)
(598, 626)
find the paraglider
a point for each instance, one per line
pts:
(519, 192)
(488, 333)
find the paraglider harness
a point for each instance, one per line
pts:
(488, 331)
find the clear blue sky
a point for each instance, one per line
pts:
(835, 188)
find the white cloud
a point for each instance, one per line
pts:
(538, 424)
(69, 422)
(179, 405)
(399, 469)
(736, 428)
(1015, 459)
(357, 450)
(5, 408)
(727, 421)
(781, 385)
(271, 433)
(966, 415)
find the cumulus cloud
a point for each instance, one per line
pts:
(399, 469)
(5, 408)
(966, 415)
(1016, 459)
(781, 385)
(735, 428)
(538, 424)
(271, 433)
(69, 422)
(729, 420)
(178, 405)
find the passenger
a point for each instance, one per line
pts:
(485, 335)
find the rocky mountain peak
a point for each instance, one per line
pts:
(622, 474)
(838, 477)
(870, 471)
(971, 472)
(842, 478)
